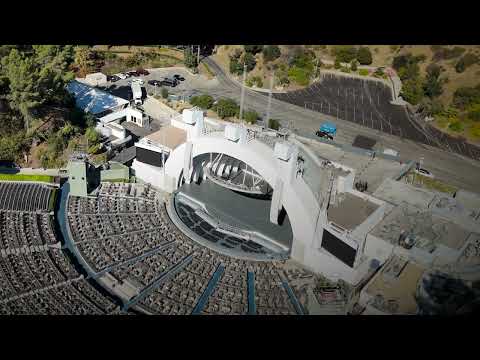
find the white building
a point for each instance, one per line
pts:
(95, 101)
(337, 230)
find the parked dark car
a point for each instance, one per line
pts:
(178, 77)
(132, 73)
(112, 78)
(143, 72)
(155, 82)
(169, 82)
(323, 134)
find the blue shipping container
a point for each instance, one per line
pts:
(329, 128)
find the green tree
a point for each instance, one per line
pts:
(235, 67)
(250, 116)
(253, 49)
(203, 101)
(249, 60)
(300, 75)
(24, 93)
(273, 124)
(345, 53)
(271, 52)
(164, 93)
(226, 108)
(85, 59)
(89, 120)
(433, 84)
(364, 56)
(474, 112)
(190, 59)
(12, 147)
(456, 126)
(412, 91)
(406, 66)
(465, 61)
(337, 64)
(464, 97)
(353, 65)
(92, 136)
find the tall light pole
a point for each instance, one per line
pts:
(198, 55)
(242, 96)
(269, 104)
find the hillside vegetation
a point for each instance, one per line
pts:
(441, 81)
(39, 123)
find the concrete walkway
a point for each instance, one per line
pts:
(252, 308)
(165, 276)
(296, 304)
(133, 259)
(212, 283)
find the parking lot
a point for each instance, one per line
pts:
(192, 83)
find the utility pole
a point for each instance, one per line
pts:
(269, 104)
(242, 96)
(198, 55)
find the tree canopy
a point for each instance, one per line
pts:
(271, 52)
(364, 56)
(204, 101)
(253, 49)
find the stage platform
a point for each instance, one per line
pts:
(238, 210)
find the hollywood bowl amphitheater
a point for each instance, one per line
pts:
(235, 219)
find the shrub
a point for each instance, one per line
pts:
(226, 108)
(466, 61)
(253, 49)
(94, 149)
(433, 85)
(379, 72)
(407, 65)
(250, 61)
(363, 72)
(345, 53)
(203, 101)
(250, 116)
(257, 80)
(92, 136)
(364, 56)
(353, 65)
(273, 124)
(189, 58)
(443, 53)
(412, 91)
(164, 93)
(465, 96)
(303, 59)
(474, 112)
(456, 126)
(337, 64)
(271, 52)
(235, 66)
(475, 131)
(299, 75)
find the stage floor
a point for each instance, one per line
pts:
(239, 210)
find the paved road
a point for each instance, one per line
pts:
(450, 167)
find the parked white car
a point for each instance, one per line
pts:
(121, 76)
(138, 81)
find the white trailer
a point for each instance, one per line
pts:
(137, 92)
